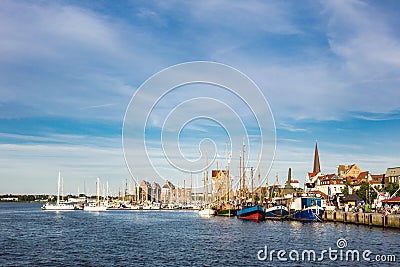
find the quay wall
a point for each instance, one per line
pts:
(370, 219)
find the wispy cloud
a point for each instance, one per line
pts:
(291, 128)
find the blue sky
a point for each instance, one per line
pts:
(68, 70)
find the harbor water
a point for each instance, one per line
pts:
(32, 237)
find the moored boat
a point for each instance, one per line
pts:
(251, 212)
(207, 212)
(94, 206)
(307, 209)
(59, 205)
(278, 212)
(228, 212)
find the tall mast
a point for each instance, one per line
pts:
(243, 173)
(206, 178)
(103, 193)
(227, 174)
(266, 184)
(259, 174)
(217, 177)
(205, 188)
(97, 190)
(84, 186)
(240, 176)
(184, 190)
(58, 188)
(62, 187)
(252, 184)
(191, 187)
(107, 193)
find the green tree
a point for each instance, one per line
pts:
(345, 190)
(26, 198)
(366, 193)
(392, 188)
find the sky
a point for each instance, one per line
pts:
(328, 70)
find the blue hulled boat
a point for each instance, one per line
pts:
(251, 212)
(276, 212)
(307, 209)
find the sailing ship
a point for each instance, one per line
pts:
(96, 205)
(250, 210)
(60, 204)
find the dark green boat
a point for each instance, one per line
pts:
(226, 212)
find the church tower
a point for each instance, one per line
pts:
(317, 166)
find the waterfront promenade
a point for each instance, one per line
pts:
(370, 219)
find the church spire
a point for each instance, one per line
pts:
(317, 166)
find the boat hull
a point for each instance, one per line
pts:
(207, 212)
(58, 207)
(253, 213)
(226, 212)
(276, 213)
(94, 207)
(311, 214)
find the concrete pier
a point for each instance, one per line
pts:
(370, 219)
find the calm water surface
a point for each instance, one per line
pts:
(33, 237)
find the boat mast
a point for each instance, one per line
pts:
(243, 174)
(97, 190)
(206, 179)
(240, 177)
(184, 191)
(62, 188)
(107, 193)
(217, 177)
(204, 187)
(259, 175)
(191, 187)
(58, 188)
(266, 185)
(227, 174)
(252, 184)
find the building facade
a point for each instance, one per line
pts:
(392, 175)
(352, 170)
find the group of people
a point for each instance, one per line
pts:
(384, 209)
(359, 208)
(392, 209)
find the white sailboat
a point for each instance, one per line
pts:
(96, 205)
(206, 210)
(59, 205)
